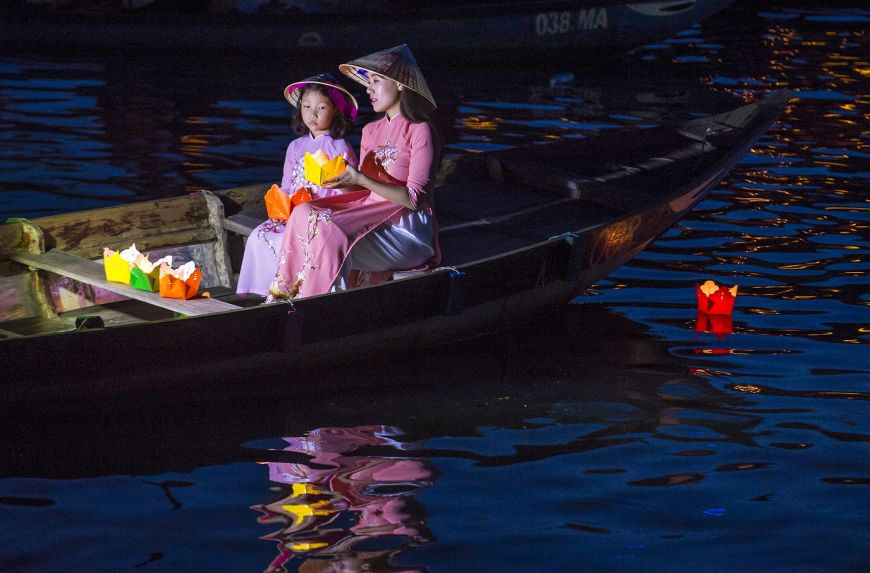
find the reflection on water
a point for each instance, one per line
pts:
(313, 507)
(597, 444)
(628, 433)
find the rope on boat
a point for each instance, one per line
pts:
(454, 271)
(569, 237)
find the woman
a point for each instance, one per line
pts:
(384, 220)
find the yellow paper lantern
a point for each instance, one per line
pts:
(319, 167)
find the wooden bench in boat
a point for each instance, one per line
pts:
(244, 222)
(93, 273)
(59, 251)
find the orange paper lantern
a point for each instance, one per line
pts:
(174, 286)
(300, 197)
(279, 205)
(714, 299)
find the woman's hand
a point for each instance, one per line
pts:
(349, 177)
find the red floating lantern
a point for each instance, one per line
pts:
(718, 324)
(713, 299)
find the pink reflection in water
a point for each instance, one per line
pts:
(378, 490)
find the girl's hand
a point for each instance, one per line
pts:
(350, 176)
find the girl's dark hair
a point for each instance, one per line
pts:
(341, 125)
(415, 107)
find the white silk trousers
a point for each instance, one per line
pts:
(404, 242)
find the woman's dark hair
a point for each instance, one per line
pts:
(415, 107)
(341, 125)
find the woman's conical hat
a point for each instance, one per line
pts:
(397, 63)
(343, 101)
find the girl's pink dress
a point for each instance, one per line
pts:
(320, 234)
(262, 247)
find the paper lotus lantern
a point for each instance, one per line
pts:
(713, 299)
(117, 269)
(182, 282)
(300, 197)
(119, 265)
(145, 275)
(279, 205)
(718, 324)
(319, 167)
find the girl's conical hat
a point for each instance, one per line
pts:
(397, 63)
(342, 98)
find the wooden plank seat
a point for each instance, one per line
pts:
(244, 222)
(189, 228)
(93, 273)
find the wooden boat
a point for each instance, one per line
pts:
(461, 27)
(523, 231)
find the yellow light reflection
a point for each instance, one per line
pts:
(308, 546)
(747, 388)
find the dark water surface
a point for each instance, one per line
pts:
(612, 437)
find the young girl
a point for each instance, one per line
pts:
(384, 221)
(325, 118)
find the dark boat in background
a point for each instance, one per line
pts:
(356, 27)
(523, 231)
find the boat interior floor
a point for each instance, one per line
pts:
(483, 218)
(530, 197)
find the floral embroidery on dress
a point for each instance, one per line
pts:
(279, 282)
(297, 177)
(280, 290)
(269, 227)
(386, 154)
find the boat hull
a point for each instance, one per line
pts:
(407, 315)
(488, 28)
